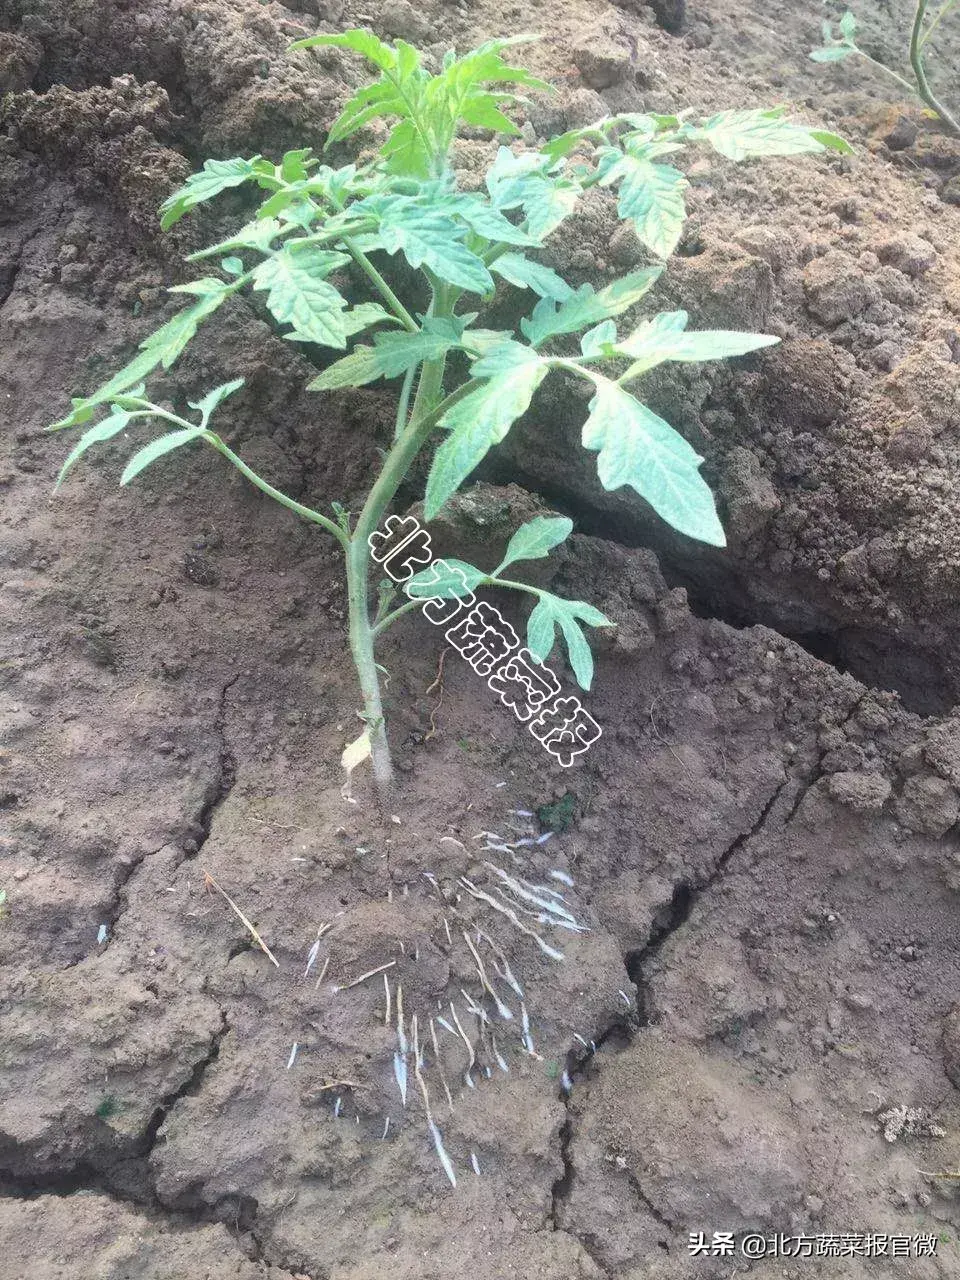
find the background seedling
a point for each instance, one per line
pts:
(315, 220)
(843, 44)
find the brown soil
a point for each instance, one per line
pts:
(763, 844)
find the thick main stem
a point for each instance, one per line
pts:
(362, 630)
(361, 648)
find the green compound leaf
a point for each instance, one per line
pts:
(156, 449)
(160, 348)
(481, 217)
(741, 135)
(526, 180)
(357, 40)
(526, 274)
(848, 26)
(652, 197)
(637, 448)
(478, 421)
(104, 430)
(299, 295)
(442, 581)
(534, 539)
(664, 338)
(587, 307)
(214, 177)
(552, 611)
(363, 315)
(503, 357)
(429, 238)
(391, 355)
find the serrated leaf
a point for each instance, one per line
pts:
(443, 581)
(255, 235)
(104, 430)
(213, 399)
(741, 135)
(357, 40)
(587, 307)
(157, 449)
(534, 539)
(167, 343)
(637, 448)
(831, 53)
(391, 355)
(550, 611)
(214, 177)
(159, 348)
(480, 342)
(83, 408)
(599, 340)
(525, 180)
(652, 197)
(365, 314)
(478, 421)
(428, 238)
(481, 110)
(503, 357)
(487, 221)
(526, 274)
(298, 293)
(665, 338)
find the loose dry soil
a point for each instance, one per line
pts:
(764, 842)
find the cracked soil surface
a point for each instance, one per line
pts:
(763, 844)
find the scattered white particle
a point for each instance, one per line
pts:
(547, 835)
(293, 1055)
(566, 1084)
(312, 957)
(295, 859)
(386, 1129)
(521, 813)
(101, 935)
(562, 877)
(475, 1162)
(626, 998)
(337, 1107)
(498, 785)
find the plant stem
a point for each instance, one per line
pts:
(381, 286)
(361, 648)
(916, 61)
(888, 71)
(404, 404)
(389, 619)
(296, 507)
(362, 631)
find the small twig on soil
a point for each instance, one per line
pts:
(364, 976)
(341, 1084)
(438, 683)
(208, 883)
